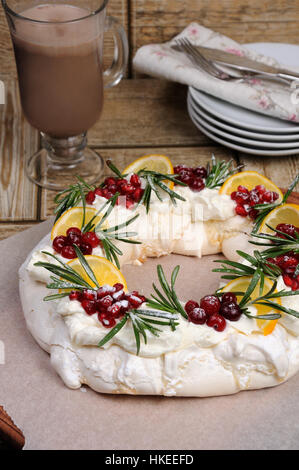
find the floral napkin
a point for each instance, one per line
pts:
(264, 96)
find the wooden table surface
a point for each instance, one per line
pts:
(141, 115)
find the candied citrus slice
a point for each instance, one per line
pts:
(104, 271)
(240, 285)
(159, 163)
(284, 214)
(73, 218)
(249, 179)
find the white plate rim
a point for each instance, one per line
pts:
(236, 130)
(245, 150)
(250, 142)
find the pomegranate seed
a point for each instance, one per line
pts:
(178, 168)
(253, 213)
(231, 311)
(243, 189)
(107, 322)
(288, 229)
(229, 297)
(89, 306)
(90, 197)
(134, 300)
(127, 189)
(105, 302)
(295, 285)
(197, 184)
(240, 210)
(233, 195)
(86, 248)
(241, 198)
(135, 181)
(137, 195)
(88, 295)
(114, 310)
(110, 181)
(287, 280)
(119, 295)
(75, 295)
(217, 322)
(118, 286)
(129, 203)
(91, 239)
(68, 252)
(107, 194)
(269, 196)
(191, 305)
(198, 316)
(105, 290)
(200, 171)
(59, 243)
(113, 188)
(254, 198)
(260, 189)
(73, 230)
(98, 192)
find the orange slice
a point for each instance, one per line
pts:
(105, 272)
(159, 163)
(249, 179)
(240, 285)
(284, 214)
(74, 218)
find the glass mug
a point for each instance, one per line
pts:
(58, 49)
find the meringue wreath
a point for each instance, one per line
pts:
(78, 307)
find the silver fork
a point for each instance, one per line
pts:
(184, 45)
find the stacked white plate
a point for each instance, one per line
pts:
(242, 129)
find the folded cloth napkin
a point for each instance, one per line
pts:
(264, 96)
(9, 431)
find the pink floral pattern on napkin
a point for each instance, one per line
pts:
(264, 96)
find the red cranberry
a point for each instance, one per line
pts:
(178, 168)
(58, 243)
(191, 305)
(217, 322)
(75, 295)
(200, 171)
(138, 193)
(135, 181)
(197, 184)
(73, 230)
(211, 304)
(91, 239)
(110, 181)
(73, 238)
(89, 306)
(90, 197)
(198, 316)
(230, 311)
(287, 280)
(68, 252)
(86, 248)
(229, 297)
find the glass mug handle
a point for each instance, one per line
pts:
(116, 71)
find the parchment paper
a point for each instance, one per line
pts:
(55, 417)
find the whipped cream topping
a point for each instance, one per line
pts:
(194, 360)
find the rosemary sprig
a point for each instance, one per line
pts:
(265, 209)
(66, 278)
(219, 171)
(70, 197)
(278, 246)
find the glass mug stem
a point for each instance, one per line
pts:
(65, 98)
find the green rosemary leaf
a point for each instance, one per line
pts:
(291, 189)
(137, 335)
(154, 313)
(253, 283)
(55, 296)
(114, 331)
(279, 307)
(114, 169)
(270, 316)
(122, 225)
(86, 266)
(174, 276)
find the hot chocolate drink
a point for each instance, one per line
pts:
(59, 68)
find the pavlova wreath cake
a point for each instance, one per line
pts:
(97, 332)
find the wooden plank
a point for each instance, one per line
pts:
(192, 156)
(145, 112)
(243, 21)
(281, 170)
(117, 8)
(17, 141)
